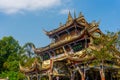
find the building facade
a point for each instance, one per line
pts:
(68, 56)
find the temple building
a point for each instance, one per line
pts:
(69, 55)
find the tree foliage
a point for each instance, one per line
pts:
(11, 53)
(105, 43)
(9, 50)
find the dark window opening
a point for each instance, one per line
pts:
(72, 31)
(77, 47)
(46, 56)
(67, 48)
(52, 54)
(63, 35)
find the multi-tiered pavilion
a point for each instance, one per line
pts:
(68, 57)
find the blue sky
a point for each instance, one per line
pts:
(25, 19)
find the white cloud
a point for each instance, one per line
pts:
(66, 11)
(15, 6)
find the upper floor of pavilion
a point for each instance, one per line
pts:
(72, 36)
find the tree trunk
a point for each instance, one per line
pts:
(81, 73)
(102, 74)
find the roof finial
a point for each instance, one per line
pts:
(45, 31)
(60, 24)
(74, 15)
(98, 23)
(95, 24)
(81, 15)
(69, 17)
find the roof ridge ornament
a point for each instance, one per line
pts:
(74, 14)
(81, 15)
(98, 23)
(60, 24)
(95, 24)
(46, 32)
(69, 17)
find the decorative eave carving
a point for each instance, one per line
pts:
(74, 14)
(69, 19)
(34, 68)
(46, 32)
(61, 27)
(81, 20)
(94, 23)
(80, 15)
(39, 50)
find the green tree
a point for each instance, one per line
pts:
(12, 75)
(10, 56)
(8, 46)
(104, 52)
(28, 48)
(28, 55)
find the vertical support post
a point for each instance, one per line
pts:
(54, 53)
(85, 69)
(81, 73)
(58, 36)
(64, 50)
(28, 77)
(41, 57)
(39, 77)
(50, 77)
(70, 48)
(72, 76)
(49, 54)
(57, 78)
(76, 32)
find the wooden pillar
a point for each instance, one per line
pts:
(28, 77)
(64, 50)
(58, 36)
(76, 31)
(54, 53)
(50, 77)
(85, 41)
(57, 78)
(67, 32)
(39, 77)
(70, 48)
(72, 76)
(41, 57)
(49, 54)
(81, 73)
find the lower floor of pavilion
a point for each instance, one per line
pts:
(90, 74)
